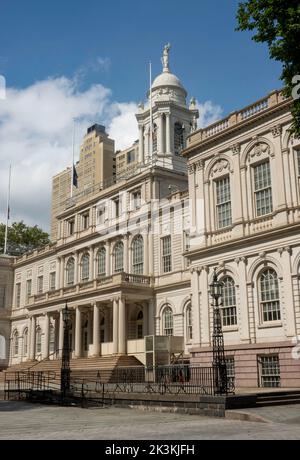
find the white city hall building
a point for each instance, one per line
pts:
(135, 258)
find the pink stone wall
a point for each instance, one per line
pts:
(246, 363)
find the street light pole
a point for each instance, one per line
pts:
(65, 365)
(219, 362)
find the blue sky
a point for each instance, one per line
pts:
(90, 60)
(40, 39)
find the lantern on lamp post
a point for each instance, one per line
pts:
(65, 365)
(219, 362)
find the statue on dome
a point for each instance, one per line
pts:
(165, 58)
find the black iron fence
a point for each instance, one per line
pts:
(172, 380)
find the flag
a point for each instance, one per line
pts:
(75, 177)
(8, 212)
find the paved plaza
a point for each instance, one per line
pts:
(28, 421)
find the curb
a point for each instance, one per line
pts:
(244, 416)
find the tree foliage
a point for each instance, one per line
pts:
(277, 23)
(22, 238)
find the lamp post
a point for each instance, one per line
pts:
(219, 362)
(65, 365)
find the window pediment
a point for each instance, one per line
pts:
(219, 168)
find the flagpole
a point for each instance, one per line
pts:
(73, 158)
(151, 115)
(7, 211)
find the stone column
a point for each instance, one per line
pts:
(122, 326)
(32, 337)
(76, 268)
(243, 299)
(151, 261)
(96, 330)
(115, 325)
(160, 134)
(78, 334)
(195, 302)
(146, 254)
(46, 332)
(91, 264)
(108, 259)
(145, 319)
(126, 255)
(205, 307)
(168, 134)
(287, 177)
(289, 297)
(151, 317)
(106, 325)
(61, 273)
(141, 144)
(61, 333)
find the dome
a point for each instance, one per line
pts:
(167, 79)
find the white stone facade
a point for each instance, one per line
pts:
(244, 183)
(137, 258)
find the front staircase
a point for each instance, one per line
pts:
(81, 368)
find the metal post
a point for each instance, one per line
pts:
(219, 361)
(65, 365)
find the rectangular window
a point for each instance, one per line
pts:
(117, 205)
(187, 242)
(167, 254)
(2, 296)
(28, 289)
(101, 216)
(40, 284)
(298, 158)
(18, 295)
(85, 221)
(130, 157)
(223, 200)
(269, 371)
(71, 224)
(136, 200)
(230, 366)
(52, 281)
(263, 189)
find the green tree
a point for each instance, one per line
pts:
(22, 238)
(277, 23)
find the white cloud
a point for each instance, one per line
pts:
(208, 113)
(36, 137)
(123, 126)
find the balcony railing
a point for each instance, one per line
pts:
(118, 279)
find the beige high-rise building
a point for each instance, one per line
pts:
(95, 167)
(127, 160)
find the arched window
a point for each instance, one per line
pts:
(189, 325)
(138, 255)
(52, 339)
(16, 343)
(139, 325)
(85, 267)
(168, 321)
(178, 138)
(102, 262)
(38, 340)
(263, 189)
(269, 296)
(25, 342)
(119, 257)
(70, 271)
(228, 306)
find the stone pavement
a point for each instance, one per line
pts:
(20, 420)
